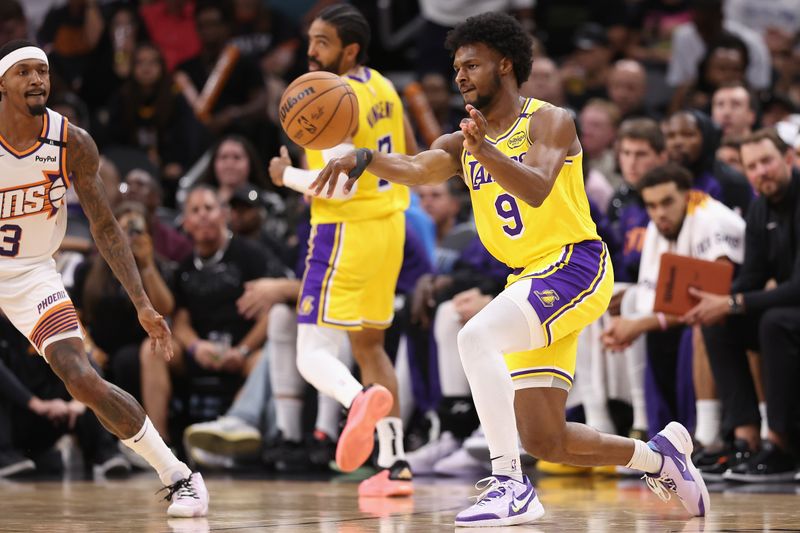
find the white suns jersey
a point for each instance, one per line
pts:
(33, 205)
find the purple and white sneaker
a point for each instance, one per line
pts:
(502, 502)
(678, 474)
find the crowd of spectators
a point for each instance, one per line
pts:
(688, 112)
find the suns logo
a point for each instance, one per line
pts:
(548, 297)
(306, 306)
(46, 196)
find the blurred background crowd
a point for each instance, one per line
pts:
(660, 90)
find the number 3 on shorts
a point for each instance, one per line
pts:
(9, 245)
(507, 210)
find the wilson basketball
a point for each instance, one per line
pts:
(318, 110)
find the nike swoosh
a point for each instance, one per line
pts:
(683, 465)
(493, 458)
(517, 505)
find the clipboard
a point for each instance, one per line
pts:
(679, 272)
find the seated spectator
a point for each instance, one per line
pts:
(241, 104)
(443, 203)
(172, 28)
(36, 410)
(214, 341)
(650, 26)
(168, 242)
(545, 83)
(14, 25)
(597, 128)
(585, 72)
(234, 163)
(641, 148)
(760, 318)
(627, 88)
(147, 113)
(113, 335)
(693, 224)
(729, 152)
(734, 109)
(692, 140)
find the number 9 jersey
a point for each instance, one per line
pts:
(515, 232)
(380, 127)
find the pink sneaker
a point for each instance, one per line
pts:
(188, 497)
(357, 438)
(389, 482)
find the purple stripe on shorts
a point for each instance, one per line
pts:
(321, 254)
(554, 293)
(533, 371)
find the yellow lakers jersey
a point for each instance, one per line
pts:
(380, 127)
(513, 231)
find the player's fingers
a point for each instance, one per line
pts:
(333, 178)
(348, 185)
(318, 184)
(284, 153)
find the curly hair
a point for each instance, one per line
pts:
(499, 31)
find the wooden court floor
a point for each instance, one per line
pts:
(596, 505)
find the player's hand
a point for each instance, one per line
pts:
(710, 309)
(158, 331)
(259, 296)
(621, 333)
(277, 166)
(330, 175)
(474, 130)
(469, 302)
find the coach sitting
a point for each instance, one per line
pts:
(767, 320)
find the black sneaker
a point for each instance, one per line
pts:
(770, 464)
(287, 456)
(110, 463)
(14, 464)
(734, 456)
(321, 451)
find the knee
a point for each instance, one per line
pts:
(548, 446)
(773, 324)
(72, 366)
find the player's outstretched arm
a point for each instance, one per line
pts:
(532, 180)
(82, 163)
(436, 165)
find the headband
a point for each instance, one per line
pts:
(20, 54)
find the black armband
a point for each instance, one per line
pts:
(363, 159)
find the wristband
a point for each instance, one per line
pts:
(735, 304)
(662, 321)
(363, 159)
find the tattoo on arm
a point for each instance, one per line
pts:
(82, 163)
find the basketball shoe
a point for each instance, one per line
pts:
(394, 481)
(678, 474)
(227, 435)
(503, 502)
(423, 460)
(188, 497)
(357, 439)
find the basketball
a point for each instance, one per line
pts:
(318, 110)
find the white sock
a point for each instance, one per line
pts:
(329, 413)
(288, 418)
(645, 458)
(149, 444)
(635, 361)
(708, 421)
(390, 441)
(762, 408)
(317, 349)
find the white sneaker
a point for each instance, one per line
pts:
(477, 446)
(503, 502)
(211, 460)
(227, 435)
(189, 497)
(461, 463)
(422, 460)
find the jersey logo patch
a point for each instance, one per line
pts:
(306, 306)
(43, 197)
(548, 297)
(516, 140)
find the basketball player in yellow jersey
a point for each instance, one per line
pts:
(521, 160)
(354, 258)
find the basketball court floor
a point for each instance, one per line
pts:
(586, 504)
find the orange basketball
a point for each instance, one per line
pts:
(318, 110)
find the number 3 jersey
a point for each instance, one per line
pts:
(33, 186)
(513, 231)
(380, 127)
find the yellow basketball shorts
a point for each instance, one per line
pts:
(351, 273)
(568, 291)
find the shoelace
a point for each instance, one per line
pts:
(183, 488)
(662, 486)
(488, 486)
